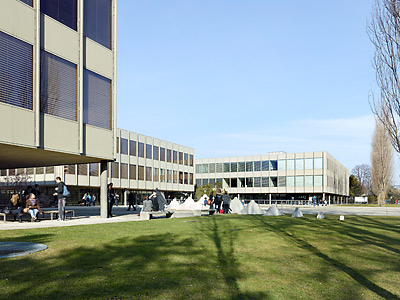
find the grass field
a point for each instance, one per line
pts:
(218, 257)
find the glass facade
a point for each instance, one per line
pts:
(140, 149)
(155, 153)
(132, 148)
(16, 72)
(124, 146)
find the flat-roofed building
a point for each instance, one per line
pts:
(57, 82)
(143, 164)
(277, 175)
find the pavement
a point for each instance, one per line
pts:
(91, 215)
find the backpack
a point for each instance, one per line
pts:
(65, 193)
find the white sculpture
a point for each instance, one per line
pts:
(236, 206)
(273, 211)
(320, 215)
(297, 213)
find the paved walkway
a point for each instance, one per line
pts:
(91, 215)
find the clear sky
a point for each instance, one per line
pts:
(234, 77)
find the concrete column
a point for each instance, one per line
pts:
(329, 199)
(126, 197)
(270, 199)
(103, 189)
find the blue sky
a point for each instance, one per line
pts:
(232, 78)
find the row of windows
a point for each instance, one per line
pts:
(96, 20)
(280, 181)
(58, 84)
(27, 171)
(132, 172)
(153, 152)
(266, 165)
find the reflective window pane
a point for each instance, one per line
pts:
(309, 163)
(97, 21)
(249, 166)
(265, 165)
(132, 148)
(273, 165)
(300, 164)
(290, 164)
(282, 164)
(64, 11)
(318, 164)
(140, 150)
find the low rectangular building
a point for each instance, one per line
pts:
(277, 175)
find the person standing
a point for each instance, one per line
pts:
(61, 198)
(116, 199)
(110, 199)
(211, 198)
(226, 201)
(88, 200)
(218, 201)
(94, 200)
(132, 201)
(84, 199)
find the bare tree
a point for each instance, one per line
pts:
(384, 33)
(363, 175)
(382, 162)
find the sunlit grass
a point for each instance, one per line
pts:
(218, 257)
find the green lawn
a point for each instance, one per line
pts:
(218, 257)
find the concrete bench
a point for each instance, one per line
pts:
(149, 215)
(198, 212)
(55, 212)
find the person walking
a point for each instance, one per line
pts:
(218, 201)
(88, 200)
(226, 201)
(132, 201)
(110, 200)
(62, 198)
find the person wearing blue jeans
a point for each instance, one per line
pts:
(61, 199)
(33, 204)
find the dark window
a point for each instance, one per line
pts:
(117, 144)
(175, 157)
(132, 172)
(141, 173)
(148, 174)
(94, 169)
(249, 166)
(249, 182)
(58, 88)
(16, 68)
(191, 178)
(96, 100)
(83, 169)
(124, 146)
(181, 178)
(265, 165)
(115, 170)
(180, 158)
(191, 160)
(162, 154)
(29, 2)
(186, 159)
(186, 178)
(64, 11)
(124, 171)
(169, 155)
(155, 152)
(140, 149)
(274, 165)
(97, 21)
(148, 151)
(132, 148)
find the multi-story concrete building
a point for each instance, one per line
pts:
(277, 175)
(57, 82)
(143, 164)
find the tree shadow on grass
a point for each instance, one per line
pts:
(32, 238)
(225, 261)
(160, 266)
(281, 229)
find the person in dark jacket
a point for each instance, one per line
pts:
(226, 202)
(154, 200)
(132, 201)
(61, 199)
(110, 200)
(212, 200)
(218, 201)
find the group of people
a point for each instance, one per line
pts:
(31, 206)
(89, 200)
(219, 199)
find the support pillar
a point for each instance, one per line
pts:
(329, 199)
(270, 199)
(126, 197)
(103, 189)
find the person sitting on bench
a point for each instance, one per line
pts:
(147, 205)
(15, 206)
(33, 204)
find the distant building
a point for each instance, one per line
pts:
(277, 175)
